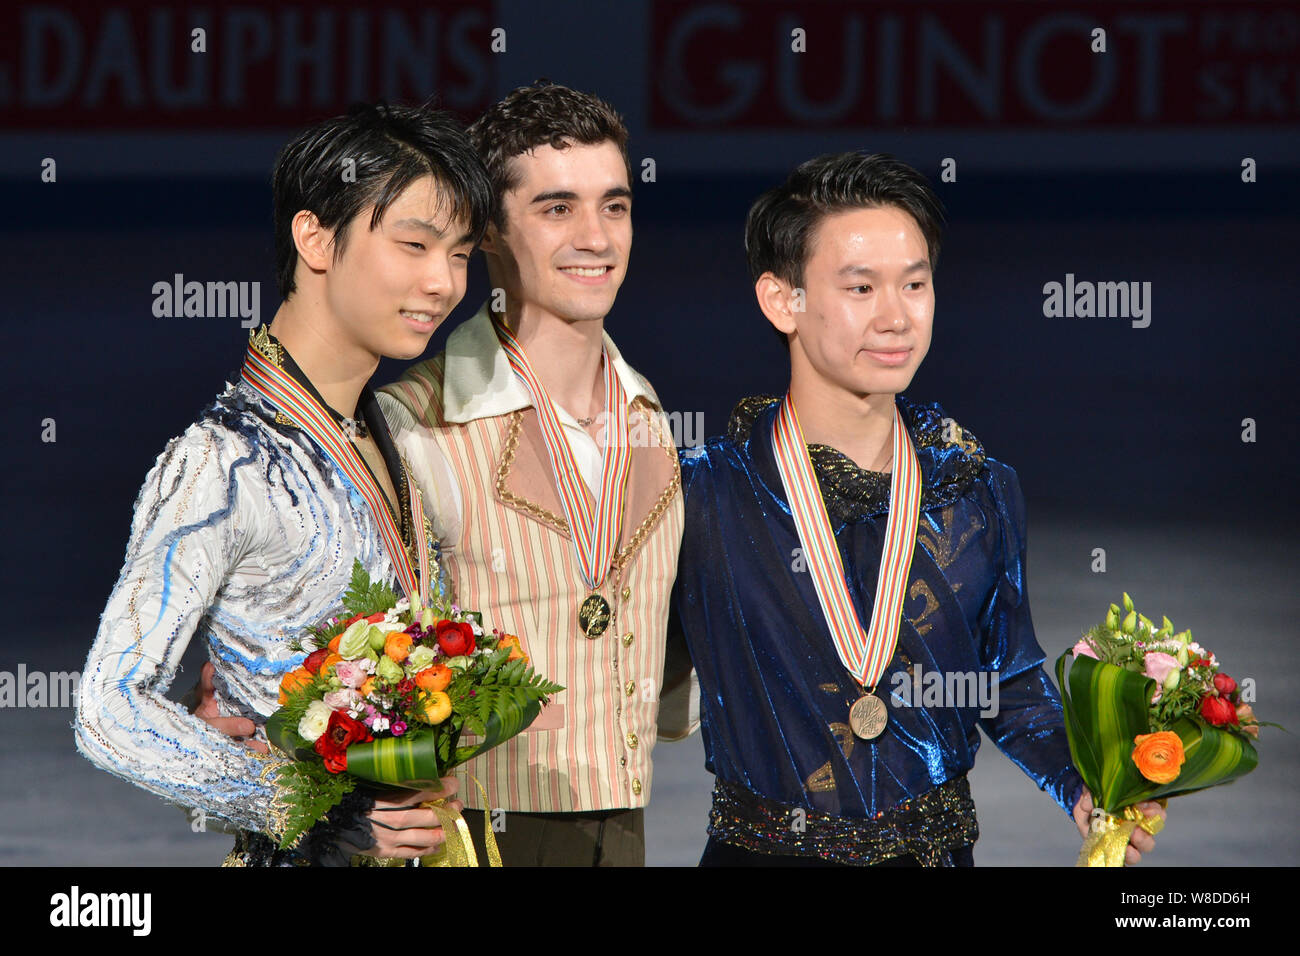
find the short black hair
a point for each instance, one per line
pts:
(782, 220)
(541, 114)
(389, 148)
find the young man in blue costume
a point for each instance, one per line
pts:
(843, 541)
(247, 527)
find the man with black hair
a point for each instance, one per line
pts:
(842, 544)
(247, 528)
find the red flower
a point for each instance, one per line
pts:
(372, 618)
(455, 639)
(1224, 684)
(313, 661)
(341, 733)
(1218, 711)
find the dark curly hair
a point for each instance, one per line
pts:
(782, 220)
(540, 114)
(389, 148)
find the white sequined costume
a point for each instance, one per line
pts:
(244, 534)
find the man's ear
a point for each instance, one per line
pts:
(312, 240)
(776, 299)
(490, 238)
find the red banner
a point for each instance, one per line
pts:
(971, 64)
(150, 64)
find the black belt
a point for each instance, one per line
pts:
(928, 826)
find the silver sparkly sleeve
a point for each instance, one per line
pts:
(186, 536)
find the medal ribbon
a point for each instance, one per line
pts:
(865, 654)
(297, 404)
(595, 529)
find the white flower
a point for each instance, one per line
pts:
(314, 722)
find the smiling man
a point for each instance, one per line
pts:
(842, 539)
(555, 523)
(248, 526)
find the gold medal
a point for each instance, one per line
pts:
(868, 716)
(593, 616)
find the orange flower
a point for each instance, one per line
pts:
(516, 650)
(333, 645)
(368, 686)
(398, 646)
(433, 708)
(1159, 756)
(434, 677)
(292, 681)
(327, 665)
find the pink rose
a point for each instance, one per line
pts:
(1247, 721)
(340, 699)
(1083, 648)
(1158, 666)
(350, 673)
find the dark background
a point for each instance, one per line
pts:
(1095, 415)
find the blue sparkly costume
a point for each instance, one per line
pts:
(775, 697)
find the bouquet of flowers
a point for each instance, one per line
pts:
(1149, 716)
(384, 696)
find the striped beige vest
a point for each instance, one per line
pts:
(515, 562)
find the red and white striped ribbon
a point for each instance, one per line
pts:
(297, 404)
(865, 654)
(595, 527)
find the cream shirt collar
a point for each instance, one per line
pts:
(479, 383)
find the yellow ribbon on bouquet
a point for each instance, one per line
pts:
(457, 849)
(1108, 835)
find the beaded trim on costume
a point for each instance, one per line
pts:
(928, 827)
(852, 493)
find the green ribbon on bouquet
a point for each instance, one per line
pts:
(411, 761)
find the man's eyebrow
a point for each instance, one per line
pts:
(425, 225)
(570, 195)
(920, 265)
